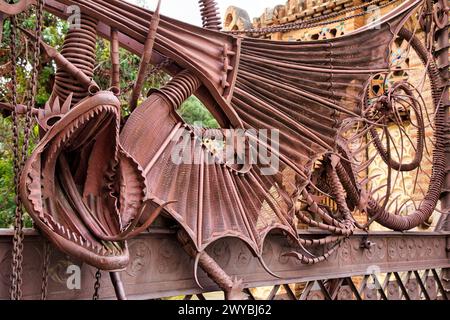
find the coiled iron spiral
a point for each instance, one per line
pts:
(79, 49)
(180, 88)
(210, 14)
(427, 207)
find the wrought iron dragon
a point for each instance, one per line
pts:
(97, 178)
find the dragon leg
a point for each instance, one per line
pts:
(118, 285)
(233, 288)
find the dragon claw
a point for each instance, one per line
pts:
(235, 292)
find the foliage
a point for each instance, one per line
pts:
(52, 34)
(194, 112)
(7, 176)
(129, 66)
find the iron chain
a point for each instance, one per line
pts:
(21, 156)
(45, 270)
(16, 276)
(98, 277)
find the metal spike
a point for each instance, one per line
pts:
(378, 189)
(146, 57)
(47, 109)
(56, 108)
(392, 202)
(66, 106)
(368, 180)
(367, 164)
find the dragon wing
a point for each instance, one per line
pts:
(304, 90)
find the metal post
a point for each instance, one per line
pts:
(118, 286)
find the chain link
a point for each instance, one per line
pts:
(21, 156)
(98, 277)
(45, 270)
(15, 290)
(316, 22)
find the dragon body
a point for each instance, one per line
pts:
(96, 179)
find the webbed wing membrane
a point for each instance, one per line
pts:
(304, 90)
(212, 200)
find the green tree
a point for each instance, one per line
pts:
(53, 35)
(195, 113)
(6, 176)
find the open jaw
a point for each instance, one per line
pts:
(79, 186)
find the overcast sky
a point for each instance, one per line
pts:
(187, 10)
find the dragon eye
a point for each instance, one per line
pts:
(52, 121)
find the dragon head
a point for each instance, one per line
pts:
(84, 192)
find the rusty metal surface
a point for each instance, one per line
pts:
(97, 179)
(210, 14)
(441, 54)
(15, 8)
(160, 267)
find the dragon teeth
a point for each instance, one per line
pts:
(108, 248)
(85, 118)
(48, 223)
